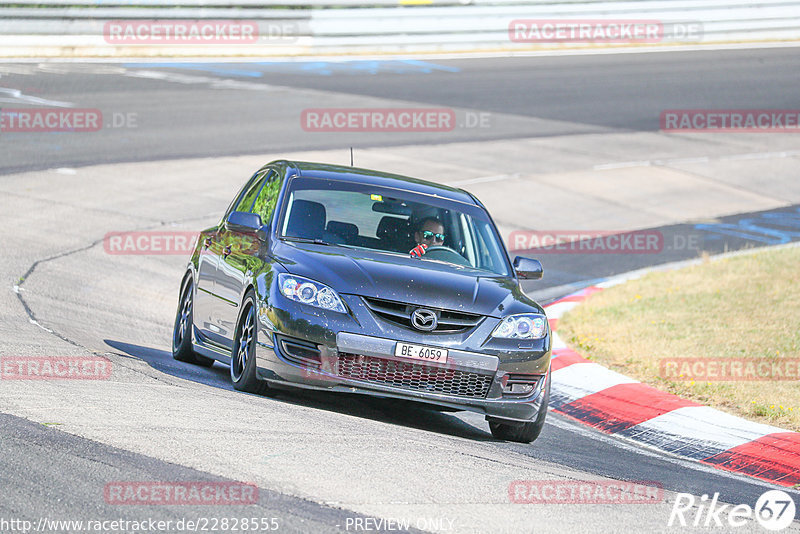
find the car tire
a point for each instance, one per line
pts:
(522, 432)
(243, 356)
(182, 330)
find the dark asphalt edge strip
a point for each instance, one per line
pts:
(14, 427)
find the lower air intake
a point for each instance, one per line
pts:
(413, 376)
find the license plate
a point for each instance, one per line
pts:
(419, 352)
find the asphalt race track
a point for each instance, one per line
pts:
(222, 109)
(550, 144)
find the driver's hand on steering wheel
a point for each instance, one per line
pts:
(418, 251)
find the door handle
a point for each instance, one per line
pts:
(227, 251)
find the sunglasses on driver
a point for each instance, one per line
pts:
(427, 234)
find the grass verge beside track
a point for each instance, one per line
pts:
(738, 308)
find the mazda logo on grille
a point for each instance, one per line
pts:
(423, 319)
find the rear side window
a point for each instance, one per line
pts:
(246, 204)
(267, 198)
(238, 201)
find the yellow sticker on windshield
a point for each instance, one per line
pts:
(376, 198)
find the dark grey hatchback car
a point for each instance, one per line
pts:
(351, 280)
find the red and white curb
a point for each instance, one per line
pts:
(618, 405)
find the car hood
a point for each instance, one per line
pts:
(411, 280)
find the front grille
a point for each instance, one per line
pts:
(400, 313)
(413, 376)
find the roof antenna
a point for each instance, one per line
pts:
(351, 156)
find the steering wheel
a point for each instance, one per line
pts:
(442, 253)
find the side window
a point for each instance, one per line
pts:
(267, 199)
(237, 200)
(246, 204)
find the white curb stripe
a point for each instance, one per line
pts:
(697, 431)
(556, 311)
(577, 381)
(557, 343)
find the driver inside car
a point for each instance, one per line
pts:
(430, 233)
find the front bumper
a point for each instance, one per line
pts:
(353, 362)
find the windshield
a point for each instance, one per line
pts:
(392, 221)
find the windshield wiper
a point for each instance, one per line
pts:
(315, 241)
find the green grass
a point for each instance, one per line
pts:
(740, 307)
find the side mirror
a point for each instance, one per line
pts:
(528, 269)
(243, 220)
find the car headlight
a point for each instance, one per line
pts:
(310, 292)
(522, 326)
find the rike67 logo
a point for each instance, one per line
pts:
(774, 510)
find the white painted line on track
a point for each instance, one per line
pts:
(189, 79)
(762, 155)
(621, 165)
(699, 159)
(15, 96)
(34, 322)
(485, 179)
(678, 161)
